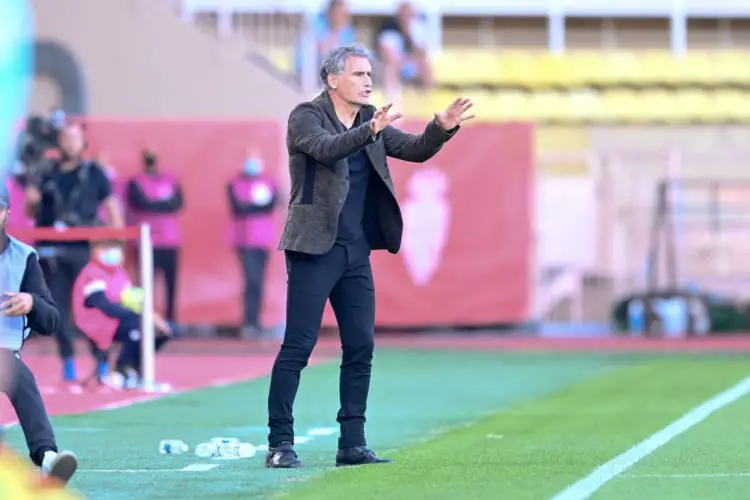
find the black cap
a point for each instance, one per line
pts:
(4, 194)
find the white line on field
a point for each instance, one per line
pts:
(587, 486)
(200, 467)
(687, 476)
(189, 468)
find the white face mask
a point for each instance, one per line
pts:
(111, 257)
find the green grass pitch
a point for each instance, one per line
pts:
(459, 425)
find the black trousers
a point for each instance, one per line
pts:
(167, 261)
(27, 401)
(60, 272)
(128, 334)
(253, 262)
(345, 277)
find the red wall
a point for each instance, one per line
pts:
(467, 212)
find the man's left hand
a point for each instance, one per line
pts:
(18, 304)
(455, 114)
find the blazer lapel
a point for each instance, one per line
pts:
(327, 106)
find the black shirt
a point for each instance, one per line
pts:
(75, 192)
(44, 317)
(351, 231)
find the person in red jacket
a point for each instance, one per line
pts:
(106, 308)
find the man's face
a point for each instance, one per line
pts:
(71, 140)
(354, 84)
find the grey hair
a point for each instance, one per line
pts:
(335, 61)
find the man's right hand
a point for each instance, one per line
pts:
(382, 119)
(33, 195)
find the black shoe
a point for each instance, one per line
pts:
(358, 455)
(282, 456)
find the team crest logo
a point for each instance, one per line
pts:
(427, 215)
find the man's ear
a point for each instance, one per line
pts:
(332, 82)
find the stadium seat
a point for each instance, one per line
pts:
(732, 105)
(551, 106)
(697, 68)
(518, 69)
(731, 67)
(421, 105)
(621, 105)
(694, 105)
(467, 67)
(557, 70)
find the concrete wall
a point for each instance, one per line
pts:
(137, 58)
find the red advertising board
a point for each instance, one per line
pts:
(467, 251)
(466, 256)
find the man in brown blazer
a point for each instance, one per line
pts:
(343, 206)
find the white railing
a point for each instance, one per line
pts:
(599, 8)
(678, 11)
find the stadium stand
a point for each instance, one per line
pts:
(624, 93)
(108, 44)
(506, 63)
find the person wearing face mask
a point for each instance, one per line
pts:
(68, 192)
(104, 314)
(155, 197)
(26, 305)
(252, 198)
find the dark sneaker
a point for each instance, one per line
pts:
(282, 456)
(359, 455)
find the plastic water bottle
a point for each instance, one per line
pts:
(221, 440)
(226, 450)
(207, 450)
(237, 450)
(673, 313)
(172, 447)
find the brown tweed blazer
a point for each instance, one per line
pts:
(318, 146)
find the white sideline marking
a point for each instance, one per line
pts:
(494, 436)
(199, 467)
(587, 486)
(688, 476)
(189, 468)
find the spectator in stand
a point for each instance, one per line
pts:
(67, 192)
(252, 199)
(400, 45)
(331, 29)
(155, 197)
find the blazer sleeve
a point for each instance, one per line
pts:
(307, 135)
(416, 147)
(44, 318)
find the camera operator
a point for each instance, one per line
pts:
(65, 193)
(39, 136)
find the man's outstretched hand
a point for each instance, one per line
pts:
(455, 114)
(382, 119)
